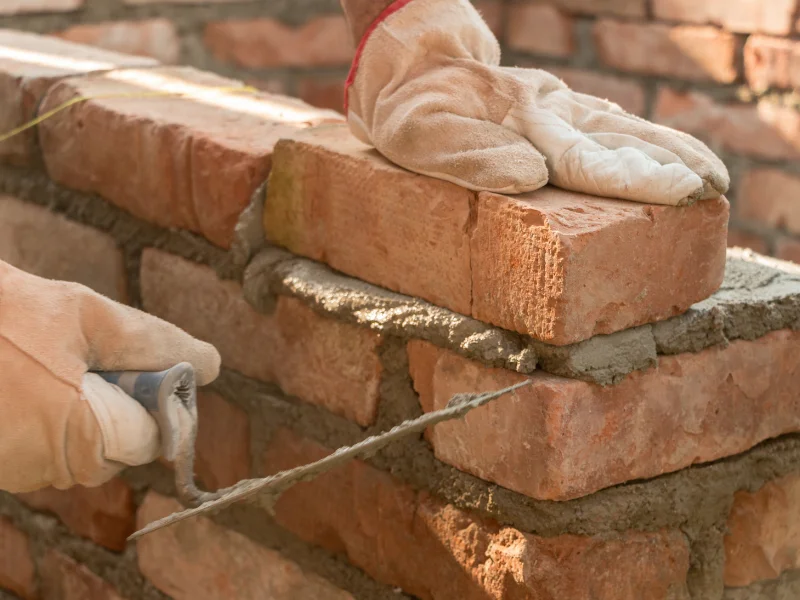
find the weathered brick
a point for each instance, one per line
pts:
(540, 29)
(686, 51)
(771, 197)
(18, 7)
(322, 93)
(223, 442)
(765, 130)
(744, 239)
(33, 239)
(29, 65)
(623, 8)
(741, 16)
(627, 93)
(436, 551)
(156, 38)
(522, 262)
(560, 438)
(198, 157)
(763, 533)
(493, 12)
(267, 43)
(65, 579)
(198, 559)
(771, 62)
(788, 249)
(17, 571)
(319, 360)
(103, 514)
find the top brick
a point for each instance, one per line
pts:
(740, 16)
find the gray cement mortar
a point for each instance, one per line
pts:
(785, 587)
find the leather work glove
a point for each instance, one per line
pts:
(426, 91)
(59, 424)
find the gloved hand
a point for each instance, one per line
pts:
(60, 425)
(427, 92)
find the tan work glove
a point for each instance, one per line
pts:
(60, 425)
(427, 92)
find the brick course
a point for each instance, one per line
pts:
(17, 571)
(156, 38)
(65, 579)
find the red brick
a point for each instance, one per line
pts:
(17, 572)
(103, 514)
(198, 157)
(738, 238)
(625, 92)
(17, 7)
(622, 8)
(33, 239)
(540, 29)
(766, 130)
(436, 551)
(29, 65)
(198, 559)
(319, 360)
(156, 38)
(771, 62)
(223, 442)
(266, 43)
(770, 197)
(419, 237)
(493, 12)
(65, 579)
(763, 537)
(322, 93)
(560, 438)
(685, 52)
(788, 249)
(741, 16)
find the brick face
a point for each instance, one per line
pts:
(741, 16)
(17, 571)
(322, 92)
(771, 62)
(770, 197)
(540, 29)
(223, 442)
(744, 239)
(788, 249)
(156, 38)
(686, 52)
(625, 92)
(65, 579)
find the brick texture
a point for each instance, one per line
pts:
(33, 239)
(65, 579)
(156, 38)
(17, 571)
(198, 559)
(540, 29)
(770, 197)
(687, 52)
(742, 16)
(561, 438)
(18, 7)
(763, 538)
(223, 442)
(771, 62)
(788, 249)
(103, 514)
(265, 43)
(625, 92)
(436, 551)
(319, 360)
(524, 263)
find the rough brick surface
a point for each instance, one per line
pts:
(267, 43)
(33, 239)
(560, 438)
(199, 157)
(540, 29)
(524, 263)
(198, 559)
(770, 197)
(788, 249)
(625, 92)
(18, 7)
(156, 38)
(436, 551)
(29, 65)
(65, 579)
(687, 52)
(763, 538)
(771, 62)
(743, 16)
(223, 442)
(317, 359)
(623, 8)
(765, 130)
(745, 239)
(103, 514)
(17, 572)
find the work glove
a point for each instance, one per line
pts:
(426, 91)
(59, 424)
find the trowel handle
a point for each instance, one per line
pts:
(146, 387)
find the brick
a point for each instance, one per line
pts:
(622, 8)
(788, 249)
(686, 52)
(17, 571)
(771, 62)
(18, 7)
(738, 238)
(65, 579)
(193, 2)
(763, 532)
(540, 29)
(199, 157)
(770, 197)
(740, 16)
(765, 130)
(559, 439)
(339, 371)
(266, 43)
(33, 239)
(199, 559)
(102, 514)
(493, 12)
(29, 65)
(322, 93)
(625, 92)
(434, 550)
(500, 264)
(223, 442)
(156, 38)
